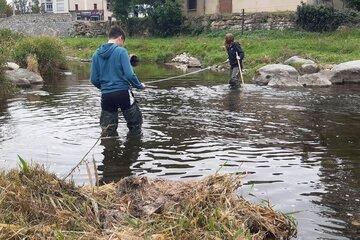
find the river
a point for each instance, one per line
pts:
(299, 148)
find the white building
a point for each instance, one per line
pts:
(55, 6)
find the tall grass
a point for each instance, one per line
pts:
(48, 51)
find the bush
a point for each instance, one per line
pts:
(167, 19)
(354, 4)
(5, 9)
(48, 50)
(319, 18)
(137, 26)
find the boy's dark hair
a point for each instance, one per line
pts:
(116, 32)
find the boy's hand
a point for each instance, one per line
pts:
(238, 57)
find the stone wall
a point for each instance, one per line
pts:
(39, 24)
(252, 21)
(89, 29)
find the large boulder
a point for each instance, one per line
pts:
(23, 77)
(320, 79)
(283, 79)
(298, 61)
(275, 72)
(348, 72)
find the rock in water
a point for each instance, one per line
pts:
(283, 79)
(320, 79)
(188, 60)
(348, 72)
(279, 73)
(23, 77)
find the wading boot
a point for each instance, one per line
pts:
(133, 119)
(109, 123)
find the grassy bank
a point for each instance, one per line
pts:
(36, 204)
(261, 47)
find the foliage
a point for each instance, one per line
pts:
(137, 26)
(48, 50)
(121, 9)
(24, 165)
(167, 19)
(5, 9)
(21, 5)
(323, 18)
(35, 8)
(7, 39)
(354, 4)
(319, 18)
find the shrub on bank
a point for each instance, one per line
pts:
(323, 18)
(6, 88)
(48, 50)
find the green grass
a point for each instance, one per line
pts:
(261, 47)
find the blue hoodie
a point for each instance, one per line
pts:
(111, 70)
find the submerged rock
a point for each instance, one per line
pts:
(296, 60)
(348, 72)
(279, 73)
(23, 77)
(320, 79)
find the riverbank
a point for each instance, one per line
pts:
(35, 203)
(261, 47)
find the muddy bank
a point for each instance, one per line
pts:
(36, 204)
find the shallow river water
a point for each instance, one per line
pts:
(299, 148)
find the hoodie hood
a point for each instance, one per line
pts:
(106, 50)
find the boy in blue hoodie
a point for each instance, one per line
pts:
(112, 73)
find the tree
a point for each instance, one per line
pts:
(35, 8)
(167, 18)
(355, 4)
(5, 9)
(121, 8)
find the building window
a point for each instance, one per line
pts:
(95, 6)
(49, 7)
(192, 4)
(76, 7)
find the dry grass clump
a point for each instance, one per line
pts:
(32, 63)
(36, 205)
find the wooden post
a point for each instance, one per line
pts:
(243, 22)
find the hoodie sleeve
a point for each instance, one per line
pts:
(128, 70)
(95, 73)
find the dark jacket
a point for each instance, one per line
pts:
(111, 70)
(232, 50)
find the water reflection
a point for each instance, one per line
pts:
(118, 158)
